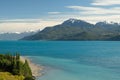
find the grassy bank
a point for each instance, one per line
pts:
(9, 76)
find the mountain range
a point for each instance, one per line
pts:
(15, 35)
(78, 30)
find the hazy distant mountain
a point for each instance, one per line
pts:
(74, 29)
(15, 36)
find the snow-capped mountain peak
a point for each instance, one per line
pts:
(72, 20)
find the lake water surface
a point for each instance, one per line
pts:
(71, 60)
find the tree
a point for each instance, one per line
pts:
(27, 70)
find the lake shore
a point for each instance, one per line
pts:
(34, 67)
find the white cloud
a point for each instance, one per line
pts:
(20, 26)
(89, 18)
(54, 13)
(82, 8)
(20, 20)
(106, 2)
(95, 10)
(94, 19)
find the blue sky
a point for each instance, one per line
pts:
(35, 8)
(25, 15)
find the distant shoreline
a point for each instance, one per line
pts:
(34, 67)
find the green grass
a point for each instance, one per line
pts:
(9, 76)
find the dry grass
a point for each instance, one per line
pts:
(9, 76)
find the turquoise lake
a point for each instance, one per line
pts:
(71, 60)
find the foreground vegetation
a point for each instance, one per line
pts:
(12, 67)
